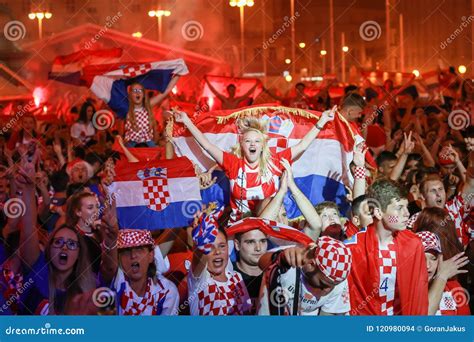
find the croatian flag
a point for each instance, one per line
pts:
(68, 68)
(321, 172)
(109, 82)
(156, 194)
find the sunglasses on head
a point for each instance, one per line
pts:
(70, 244)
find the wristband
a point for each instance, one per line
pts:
(359, 172)
(105, 247)
(318, 127)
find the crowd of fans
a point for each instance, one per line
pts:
(404, 247)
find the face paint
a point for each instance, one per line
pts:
(392, 219)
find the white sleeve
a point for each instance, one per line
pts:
(162, 264)
(337, 301)
(195, 285)
(170, 306)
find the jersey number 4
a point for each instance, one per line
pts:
(384, 285)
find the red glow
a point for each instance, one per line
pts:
(39, 95)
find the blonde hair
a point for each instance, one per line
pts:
(251, 124)
(146, 104)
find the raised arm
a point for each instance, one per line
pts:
(314, 227)
(212, 149)
(272, 209)
(358, 188)
(109, 235)
(157, 99)
(405, 150)
(221, 97)
(130, 157)
(446, 270)
(313, 133)
(29, 239)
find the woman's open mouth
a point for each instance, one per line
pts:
(252, 150)
(218, 262)
(63, 258)
(135, 267)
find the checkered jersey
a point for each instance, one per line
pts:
(209, 297)
(459, 212)
(161, 297)
(388, 277)
(246, 188)
(144, 132)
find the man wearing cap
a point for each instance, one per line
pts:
(141, 291)
(447, 297)
(306, 280)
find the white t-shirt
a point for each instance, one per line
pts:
(162, 299)
(209, 297)
(82, 131)
(335, 302)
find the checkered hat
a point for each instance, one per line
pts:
(333, 258)
(134, 238)
(430, 241)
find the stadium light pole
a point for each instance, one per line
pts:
(40, 16)
(241, 4)
(159, 14)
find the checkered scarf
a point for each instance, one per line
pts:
(205, 232)
(430, 241)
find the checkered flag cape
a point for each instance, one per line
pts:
(205, 232)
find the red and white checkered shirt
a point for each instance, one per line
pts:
(388, 278)
(144, 132)
(209, 297)
(459, 213)
(246, 188)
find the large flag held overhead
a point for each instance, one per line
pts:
(321, 172)
(68, 68)
(110, 82)
(156, 194)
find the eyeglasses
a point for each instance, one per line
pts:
(70, 244)
(137, 90)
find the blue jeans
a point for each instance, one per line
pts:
(150, 143)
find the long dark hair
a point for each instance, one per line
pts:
(83, 113)
(80, 280)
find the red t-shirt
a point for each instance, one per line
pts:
(247, 189)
